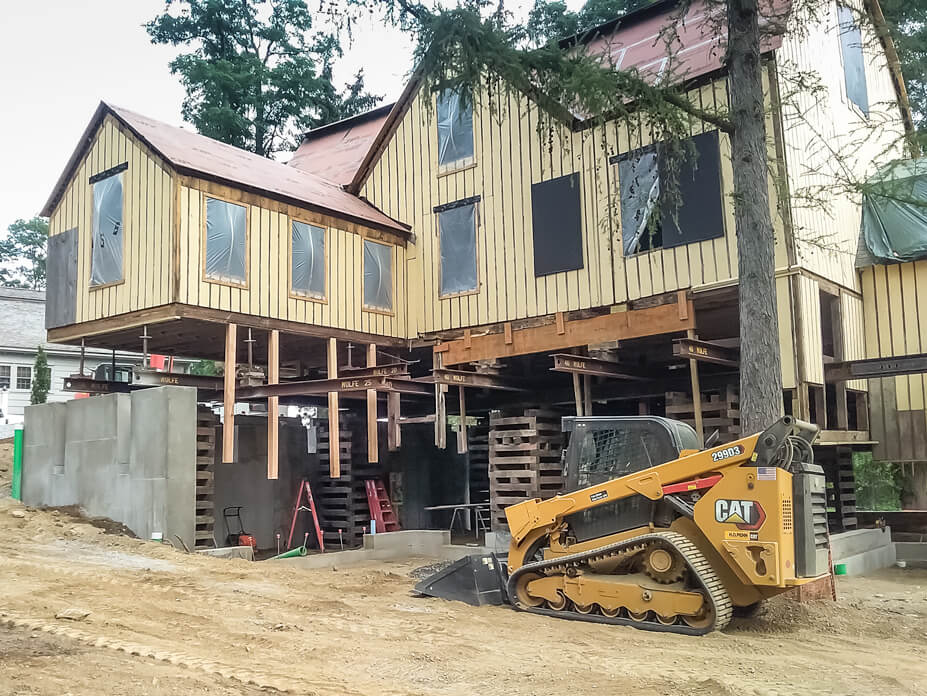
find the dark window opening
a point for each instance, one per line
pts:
(652, 219)
(557, 225)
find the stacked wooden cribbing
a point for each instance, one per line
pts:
(343, 501)
(524, 460)
(720, 411)
(478, 446)
(206, 422)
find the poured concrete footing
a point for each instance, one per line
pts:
(913, 553)
(390, 546)
(863, 550)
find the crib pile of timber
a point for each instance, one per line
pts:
(524, 459)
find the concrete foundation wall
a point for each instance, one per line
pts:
(128, 457)
(266, 505)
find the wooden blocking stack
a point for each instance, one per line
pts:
(720, 411)
(478, 438)
(524, 460)
(837, 462)
(206, 422)
(342, 501)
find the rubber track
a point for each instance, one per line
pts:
(696, 562)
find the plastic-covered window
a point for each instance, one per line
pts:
(226, 239)
(308, 259)
(108, 233)
(457, 228)
(455, 128)
(378, 275)
(854, 68)
(639, 181)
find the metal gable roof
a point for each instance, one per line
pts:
(192, 153)
(337, 150)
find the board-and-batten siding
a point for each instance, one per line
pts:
(514, 149)
(267, 292)
(824, 132)
(147, 215)
(895, 308)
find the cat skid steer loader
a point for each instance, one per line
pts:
(656, 533)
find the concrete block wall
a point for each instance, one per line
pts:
(128, 457)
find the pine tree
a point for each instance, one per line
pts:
(41, 378)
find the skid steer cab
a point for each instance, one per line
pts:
(656, 533)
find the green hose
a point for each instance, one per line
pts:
(292, 553)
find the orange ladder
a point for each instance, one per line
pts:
(381, 509)
(304, 486)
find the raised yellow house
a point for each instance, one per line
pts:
(489, 248)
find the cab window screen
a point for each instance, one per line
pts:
(108, 233)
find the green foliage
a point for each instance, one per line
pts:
(41, 378)
(255, 75)
(878, 484)
(205, 368)
(23, 249)
(907, 22)
(551, 21)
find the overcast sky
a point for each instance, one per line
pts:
(59, 58)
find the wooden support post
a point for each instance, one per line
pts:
(577, 394)
(696, 396)
(228, 424)
(462, 430)
(82, 356)
(840, 388)
(820, 406)
(643, 408)
(393, 431)
(587, 395)
(373, 445)
(273, 402)
(334, 425)
(440, 408)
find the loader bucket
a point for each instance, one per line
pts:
(476, 580)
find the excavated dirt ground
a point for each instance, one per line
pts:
(85, 611)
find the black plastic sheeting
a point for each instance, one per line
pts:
(557, 225)
(226, 240)
(639, 185)
(108, 232)
(308, 259)
(378, 275)
(458, 249)
(696, 215)
(854, 63)
(894, 225)
(455, 128)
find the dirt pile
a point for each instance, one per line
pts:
(140, 618)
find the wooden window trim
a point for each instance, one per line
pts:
(476, 248)
(203, 275)
(392, 260)
(295, 294)
(90, 286)
(458, 166)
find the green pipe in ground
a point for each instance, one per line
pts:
(292, 553)
(17, 464)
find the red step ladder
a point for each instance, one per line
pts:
(381, 509)
(304, 486)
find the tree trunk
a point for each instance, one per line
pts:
(760, 365)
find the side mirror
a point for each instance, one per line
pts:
(713, 439)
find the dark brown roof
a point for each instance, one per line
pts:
(336, 151)
(192, 153)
